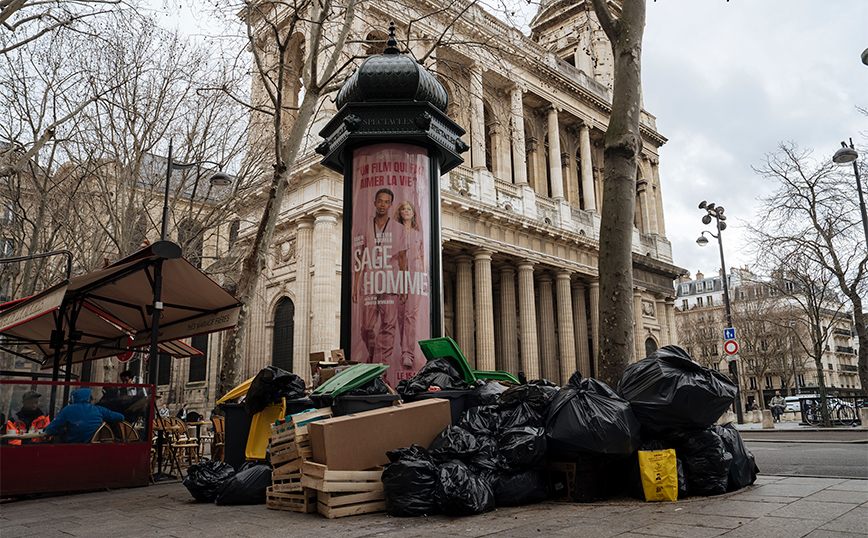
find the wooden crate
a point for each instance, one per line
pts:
(320, 478)
(287, 451)
(333, 505)
(287, 483)
(298, 424)
(304, 502)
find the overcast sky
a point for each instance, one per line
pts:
(727, 82)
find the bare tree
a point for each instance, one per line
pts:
(622, 146)
(813, 212)
(275, 33)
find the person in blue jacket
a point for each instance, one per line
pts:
(80, 419)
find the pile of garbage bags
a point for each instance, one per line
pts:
(217, 482)
(498, 453)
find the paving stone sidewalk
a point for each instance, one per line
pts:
(776, 506)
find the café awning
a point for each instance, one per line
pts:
(109, 312)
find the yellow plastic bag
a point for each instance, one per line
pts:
(659, 470)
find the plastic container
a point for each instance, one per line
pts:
(348, 404)
(457, 400)
(237, 432)
(298, 405)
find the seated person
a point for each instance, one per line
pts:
(80, 419)
(29, 419)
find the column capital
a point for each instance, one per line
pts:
(506, 270)
(325, 215)
(526, 265)
(563, 274)
(585, 125)
(463, 258)
(552, 109)
(304, 223)
(579, 284)
(482, 254)
(520, 88)
(544, 277)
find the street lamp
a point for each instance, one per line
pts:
(219, 179)
(846, 155)
(715, 212)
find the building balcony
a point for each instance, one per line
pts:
(841, 332)
(849, 368)
(844, 349)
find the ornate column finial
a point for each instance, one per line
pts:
(392, 43)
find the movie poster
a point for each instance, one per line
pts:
(390, 244)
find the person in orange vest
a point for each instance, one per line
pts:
(29, 419)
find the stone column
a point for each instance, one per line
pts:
(642, 206)
(554, 155)
(508, 325)
(566, 336)
(503, 154)
(566, 172)
(548, 342)
(638, 327)
(477, 119)
(533, 159)
(660, 317)
(580, 324)
(527, 312)
(594, 296)
(650, 195)
(655, 174)
(324, 329)
(464, 309)
(498, 333)
(301, 329)
(670, 321)
(484, 311)
(518, 143)
(587, 171)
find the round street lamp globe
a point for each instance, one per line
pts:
(845, 156)
(221, 179)
(702, 241)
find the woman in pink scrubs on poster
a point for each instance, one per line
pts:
(408, 312)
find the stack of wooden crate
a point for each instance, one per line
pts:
(290, 448)
(344, 493)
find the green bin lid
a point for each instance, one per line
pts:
(446, 347)
(352, 378)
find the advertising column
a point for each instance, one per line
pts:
(390, 242)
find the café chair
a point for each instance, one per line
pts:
(125, 433)
(219, 442)
(103, 434)
(186, 448)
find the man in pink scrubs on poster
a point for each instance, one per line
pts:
(379, 261)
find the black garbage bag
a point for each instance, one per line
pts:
(453, 443)
(590, 418)
(706, 461)
(205, 480)
(743, 470)
(410, 483)
(487, 456)
(482, 420)
(521, 448)
(520, 415)
(461, 492)
(412, 452)
(538, 394)
(669, 392)
(485, 394)
(269, 386)
(440, 373)
(515, 488)
(371, 388)
(599, 476)
(247, 486)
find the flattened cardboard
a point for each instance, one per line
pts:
(360, 441)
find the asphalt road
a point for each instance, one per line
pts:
(817, 459)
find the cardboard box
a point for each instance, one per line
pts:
(360, 441)
(338, 355)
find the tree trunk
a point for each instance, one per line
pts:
(232, 358)
(622, 146)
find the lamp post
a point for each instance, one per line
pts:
(219, 179)
(846, 155)
(715, 212)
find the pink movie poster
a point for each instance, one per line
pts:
(390, 241)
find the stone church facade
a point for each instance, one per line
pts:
(520, 218)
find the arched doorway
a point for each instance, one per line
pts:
(650, 346)
(281, 346)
